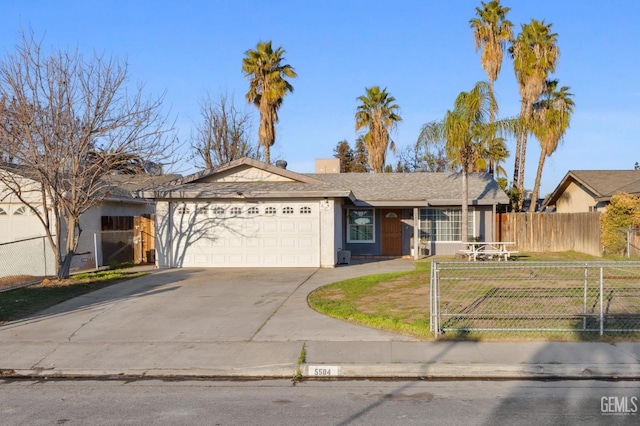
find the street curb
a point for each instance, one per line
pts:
(195, 373)
(479, 371)
(354, 371)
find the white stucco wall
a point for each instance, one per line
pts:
(163, 234)
(328, 247)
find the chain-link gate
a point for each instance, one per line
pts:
(535, 296)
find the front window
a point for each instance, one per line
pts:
(444, 224)
(360, 224)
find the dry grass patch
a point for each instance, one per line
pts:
(14, 281)
(25, 301)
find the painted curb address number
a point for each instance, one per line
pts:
(323, 370)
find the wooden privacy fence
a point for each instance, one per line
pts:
(552, 232)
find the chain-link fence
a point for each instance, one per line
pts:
(30, 256)
(535, 296)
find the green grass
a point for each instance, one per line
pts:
(23, 302)
(388, 302)
(349, 292)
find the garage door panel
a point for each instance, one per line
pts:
(288, 242)
(266, 235)
(305, 242)
(270, 242)
(287, 226)
(253, 242)
(305, 226)
(270, 226)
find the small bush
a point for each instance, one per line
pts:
(622, 213)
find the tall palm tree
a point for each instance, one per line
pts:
(551, 119)
(378, 113)
(267, 88)
(535, 54)
(463, 129)
(491, 32)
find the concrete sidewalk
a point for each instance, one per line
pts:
(191, 323)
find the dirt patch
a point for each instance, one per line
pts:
(15, 281)
(406, 296)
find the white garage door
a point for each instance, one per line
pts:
(282, 234)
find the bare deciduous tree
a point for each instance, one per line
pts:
(223, 133)
(58, 111)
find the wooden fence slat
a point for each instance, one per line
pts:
(552, 232)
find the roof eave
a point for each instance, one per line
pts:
(187, 194)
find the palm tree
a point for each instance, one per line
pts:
(463, 131)
(378, 113)
(491, 32)
(535, 55)
(267, 88)
(551, 119)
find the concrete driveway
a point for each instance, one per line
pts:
(186, 322)
(203, 305)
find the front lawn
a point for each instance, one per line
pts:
(399, 302)
(25, 301)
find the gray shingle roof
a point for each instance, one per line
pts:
(432, 187)
(398, 188)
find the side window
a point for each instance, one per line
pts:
(270, 210)
(287, 210)
(305, 210)
(235, 211)
(253, 211)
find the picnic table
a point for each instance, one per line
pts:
(486, 250)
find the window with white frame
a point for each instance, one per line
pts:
(235, 211)
(218, 211)
(444, 224)
(253, 211)
(270, 210)
(182, 210)
(305, 210)
(2, 212)
(287, 210)
(360, 226)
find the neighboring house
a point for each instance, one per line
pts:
(591, 190)
(107, 228)
(250, 214)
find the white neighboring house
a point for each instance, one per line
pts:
(250, 214)
(24, 249)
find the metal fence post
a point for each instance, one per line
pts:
(601, 300)
(584, 302)
(431, 290)
(436, 310)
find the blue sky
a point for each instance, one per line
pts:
(421, 51)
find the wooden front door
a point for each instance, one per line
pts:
(391, 232)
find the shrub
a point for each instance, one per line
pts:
(622, 213)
